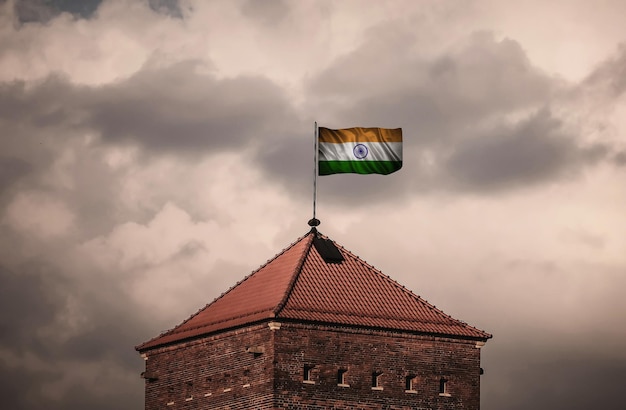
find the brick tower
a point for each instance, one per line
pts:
(315, 327)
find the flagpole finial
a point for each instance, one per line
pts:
(314, 222)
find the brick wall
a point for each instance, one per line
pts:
(217, 373)
(213, 373)
(426, 360)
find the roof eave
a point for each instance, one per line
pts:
(480, 336)
(147, 346)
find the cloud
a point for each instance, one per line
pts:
(610, 75)
(41, 11)
(531, 151)
(171, 109)
(11, 169)
(177, 109)
(386, 81)
(477, 117)
(266, 12)
(27, 304)
(557, 380)
(169, 7)
(39, 214)
(144, 145)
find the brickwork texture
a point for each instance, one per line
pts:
(309, 366)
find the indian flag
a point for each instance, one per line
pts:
(359, 150)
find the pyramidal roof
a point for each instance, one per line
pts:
(317, 280)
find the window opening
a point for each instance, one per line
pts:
(376, 380)
(307, 376)
(443, 387)
(188, 390)
(409, 383)
(341, 377)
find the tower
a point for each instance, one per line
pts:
(315, 327)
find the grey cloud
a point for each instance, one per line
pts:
(11, 169)
(32, 153)
(42, 11)
(610, 76)
(175, 110)
(171, 109)
(19, 104)
(33, 295)
(169, 7)
(454, 107)
(620, 158)
(26, 303)
(438, 103)
(553, 379)
(531, 151)
(267, 12)
(20, 388)
(290, 159)
(179, 109)
(28, 11)
(384, 81)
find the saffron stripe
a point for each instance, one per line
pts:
(359, 134)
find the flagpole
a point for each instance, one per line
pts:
(315, 222)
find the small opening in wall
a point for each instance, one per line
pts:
(409, 383)
(255, 350)
(307, 375)
(149, 376)
(376, 380)
(341, 377)
(443, 387)
(188, 390)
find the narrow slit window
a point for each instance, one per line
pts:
(409, 383)
(307, 376)
(341, 377)
(376, 380)
(188, 390)
(443, 387)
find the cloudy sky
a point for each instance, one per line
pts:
(154, 152)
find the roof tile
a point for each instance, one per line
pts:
(298, 284)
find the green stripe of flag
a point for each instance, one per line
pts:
(358, 167)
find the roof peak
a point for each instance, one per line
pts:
(317, 280)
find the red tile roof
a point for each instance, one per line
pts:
(298, 284)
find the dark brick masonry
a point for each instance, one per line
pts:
(262, 366)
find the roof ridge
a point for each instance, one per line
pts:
(410, 293)
(296, 274)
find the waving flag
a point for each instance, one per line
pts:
(359, 150)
